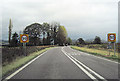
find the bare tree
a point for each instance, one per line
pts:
(54, 29)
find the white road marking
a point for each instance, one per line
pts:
(98, 57)
(13, 74)
(99, 76)
(104, 59)
(88, 68)
(85, 71)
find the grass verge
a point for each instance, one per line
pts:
(20, 61)
(102, 53)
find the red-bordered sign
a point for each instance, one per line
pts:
(24, 38)
(112, 37)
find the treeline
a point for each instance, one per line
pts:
(43, 34)
(81, 41)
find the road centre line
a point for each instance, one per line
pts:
(99, 76)
(85, 71)
(13, 74)
(88, 68)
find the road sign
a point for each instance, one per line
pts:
(24, 38)
(112, 37)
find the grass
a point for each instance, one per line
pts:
(20, 61)
(103, 53)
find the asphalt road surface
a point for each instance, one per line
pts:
(66, 63)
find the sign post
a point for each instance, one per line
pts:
(112, 39)
(109, 47)
(114, 49)
(24, 38)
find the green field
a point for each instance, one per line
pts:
(98, 52)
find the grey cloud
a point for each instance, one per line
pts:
(82, 18)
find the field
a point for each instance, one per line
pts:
(100, 50)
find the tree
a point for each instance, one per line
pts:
(62, 35)
(34, 30)
(10, 30)
(81, 41)
(14, 41)
(54, 30)
(46, 31)
(69, 41)
(48, 39)
(97, 40)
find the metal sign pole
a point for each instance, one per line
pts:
(114, 48)
(109, 48)
(24, 49)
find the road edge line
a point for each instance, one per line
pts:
(98, 56)
(13, 74)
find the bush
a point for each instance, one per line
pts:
(9, 54)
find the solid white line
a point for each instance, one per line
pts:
(85, 71)
(88, 68)
(97, 57)
(105, 59)
(99, 76)
(13, 74)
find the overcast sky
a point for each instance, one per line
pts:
(81, 18)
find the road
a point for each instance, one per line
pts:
(66, 63)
